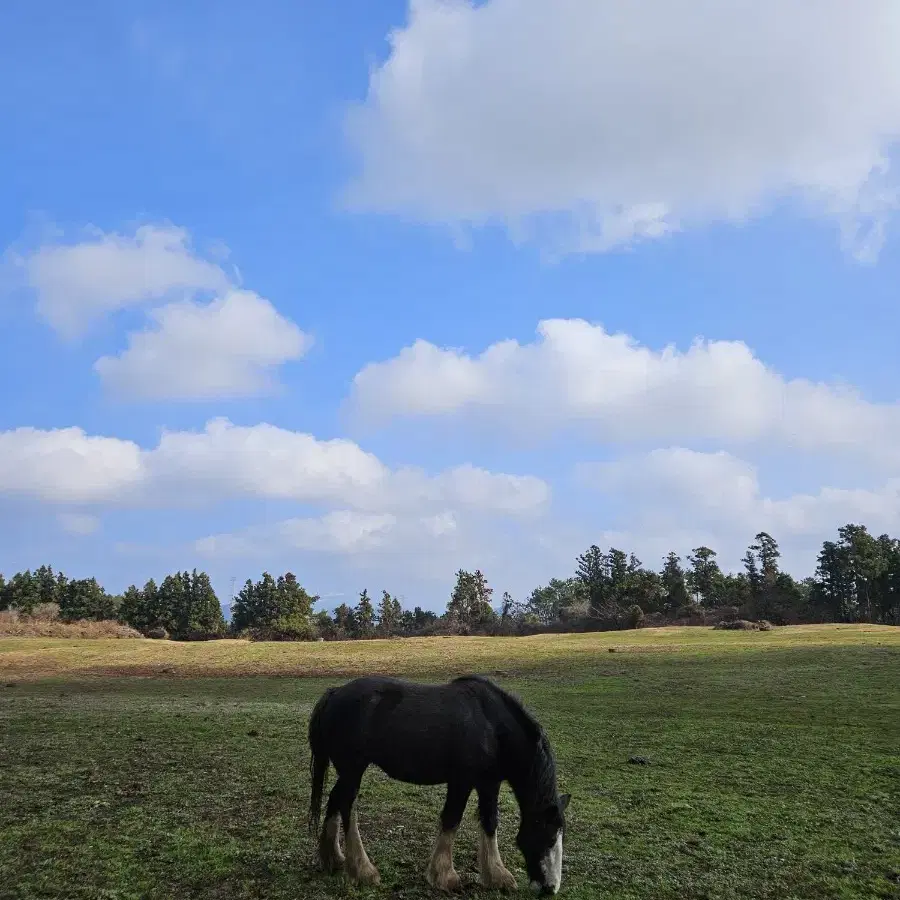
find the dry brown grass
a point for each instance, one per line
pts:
(30, 658)
(14, 625)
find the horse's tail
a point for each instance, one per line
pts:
(318, 761)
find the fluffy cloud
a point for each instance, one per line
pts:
(66, 466)
(205, 338)
(717, 484)
(341, 532)
(75, 284)
(409, 548)
(226, 348)
(678, 495)
(591, 123)
(578, 374)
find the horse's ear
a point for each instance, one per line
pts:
(564, 802)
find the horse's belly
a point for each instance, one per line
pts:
(416, 755)
(413, 768)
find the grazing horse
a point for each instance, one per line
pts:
(468, 734)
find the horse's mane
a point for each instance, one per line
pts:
(542, 769)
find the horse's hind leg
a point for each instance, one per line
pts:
(440, 872)
(494, 875)
(331, 858)
(358, 865)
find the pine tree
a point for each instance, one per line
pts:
(343, 620)
(206, 611)
(389, 612)
(705, 577)
(133, 611)
(84, 598)
(674, 584)
(294, 603)
(364, 616)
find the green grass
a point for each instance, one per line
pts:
(133, 769)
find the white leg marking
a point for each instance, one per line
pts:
(330, 855)
(359, 866)
(494, 875)
(551, 865)
(440, 872)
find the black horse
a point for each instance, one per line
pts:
(468, 734)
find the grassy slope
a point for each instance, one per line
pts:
(775, 765)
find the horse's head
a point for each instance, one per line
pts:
(540, 840)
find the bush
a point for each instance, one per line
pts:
(635, 616)
(158, 634)
(738, 625)
(45, 612)
(14, 624)
(293, 628)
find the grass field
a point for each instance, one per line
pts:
(141, 769)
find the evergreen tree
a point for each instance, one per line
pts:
(364, 616)
(171, 603)
(48, 587)
(593, 573)
(704, 577)
(343, 621)
(205, 615)
(84, 598)
(558, 598)
(133, 611)
(22, 593)
(674, 584)
(470, 602)
(389, 613)
(294, 603)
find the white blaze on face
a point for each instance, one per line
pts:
(551, 865)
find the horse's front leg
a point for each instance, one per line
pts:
(494, 875)
(440, 872)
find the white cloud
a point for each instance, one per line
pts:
(77, 523)
(679, 498)
(77, 283)
(65, 465)
(205, 338)
(578, 374)
(342, 532)
(717, 484)
(590, 123)
(405, 547)
(226, 348)
(223, 461)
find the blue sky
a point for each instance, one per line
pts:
(306, 198)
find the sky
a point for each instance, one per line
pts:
(372, 292)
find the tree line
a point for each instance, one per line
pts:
(857, 579)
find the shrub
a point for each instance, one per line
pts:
(158, 634)
(13, 624)
(737, 625)
(635, 616)
(45, 612)
(288, 628)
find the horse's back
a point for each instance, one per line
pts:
(414, 732)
